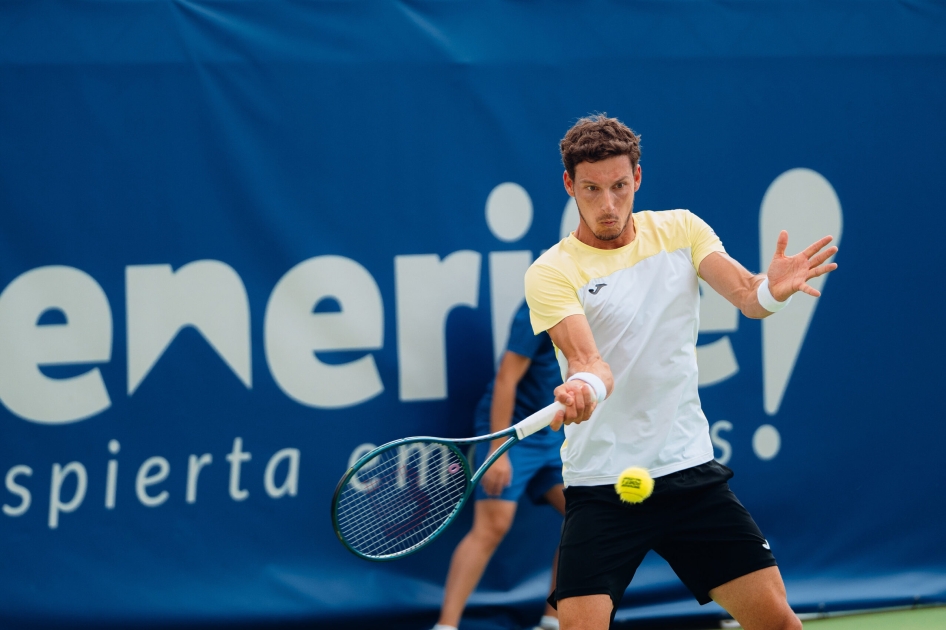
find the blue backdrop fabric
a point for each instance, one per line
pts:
(241, 242)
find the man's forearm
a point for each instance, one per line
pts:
(750, 306)
(735, 283)
(573, 337)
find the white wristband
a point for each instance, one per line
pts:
(767, 300)
(601, 392)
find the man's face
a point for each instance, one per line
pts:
(604, 192)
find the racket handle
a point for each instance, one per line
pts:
(537, 421)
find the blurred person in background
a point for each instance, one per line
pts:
(528, 372)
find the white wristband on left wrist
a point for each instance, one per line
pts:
(767, 300)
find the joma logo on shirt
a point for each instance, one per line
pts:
(596, 289)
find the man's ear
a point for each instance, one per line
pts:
(569, 184)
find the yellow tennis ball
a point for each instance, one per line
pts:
(634, 485)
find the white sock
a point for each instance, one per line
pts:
(548, 623)
(441, 626)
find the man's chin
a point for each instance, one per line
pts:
(610, 235)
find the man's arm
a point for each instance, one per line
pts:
(572, 336)
(786, 275)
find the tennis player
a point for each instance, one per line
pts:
(528, 372)
(620, 299)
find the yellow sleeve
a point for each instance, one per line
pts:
(703, 240)
(551, 297)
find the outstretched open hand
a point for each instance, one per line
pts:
(790, 274)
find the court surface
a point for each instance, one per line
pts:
(918, 619)
(914, 619)
(925, 618)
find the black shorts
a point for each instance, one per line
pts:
(693, 520)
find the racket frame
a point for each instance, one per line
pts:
(516, 433)
(454, 445)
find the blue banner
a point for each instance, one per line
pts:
(243, 242)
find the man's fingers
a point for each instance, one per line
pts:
(813, 292)
(579, 404)
(781, 244)
(815, 247)
(579, 401)
(820, 271)
(557, 421)
(564, 397)
(568, 414)
(822, 256)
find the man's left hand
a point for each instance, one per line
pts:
(790, 274)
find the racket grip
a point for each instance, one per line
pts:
(537, 421)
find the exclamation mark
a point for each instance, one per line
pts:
(804, 203)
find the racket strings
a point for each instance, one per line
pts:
(400, 498)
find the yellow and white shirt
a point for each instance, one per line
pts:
(642, 302)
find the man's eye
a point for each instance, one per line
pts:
(620, 185)
(592, 188)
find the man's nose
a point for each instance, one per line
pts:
(610, 202)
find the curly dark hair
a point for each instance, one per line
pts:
(596, 138)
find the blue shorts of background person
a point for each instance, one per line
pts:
(536, 461)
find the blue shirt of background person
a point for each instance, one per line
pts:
(532, 391)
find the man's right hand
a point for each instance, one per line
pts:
(579, 400)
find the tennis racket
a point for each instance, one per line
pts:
(403, 494)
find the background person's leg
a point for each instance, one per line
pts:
(491, 520)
